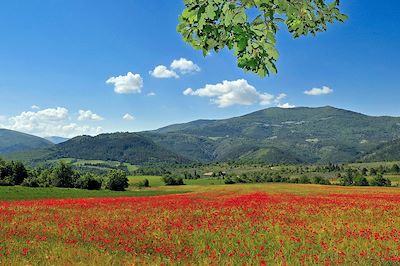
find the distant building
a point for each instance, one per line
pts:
(209, 174)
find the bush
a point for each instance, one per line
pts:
(170, 180)
(304, 180)
(88, 181)
(320, 181)
(144, 183)
(117, 180)
(380, 181)
(229, 181)
(30, 182)
(361, 181)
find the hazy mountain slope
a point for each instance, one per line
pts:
(389, 151)
(323, 134)
(13, 141)
(189, 146)
(273, 135)
(56, 140)
(127, 147)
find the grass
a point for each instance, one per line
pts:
(156, 181)
(25, 193)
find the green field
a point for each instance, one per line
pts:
(156, 181)
(25, 193)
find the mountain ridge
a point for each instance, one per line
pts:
(272, 135)
(14, 141)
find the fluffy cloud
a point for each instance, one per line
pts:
(128, 117)
(162, 72)
(319, 91)
(151, 94)
(49, 122)
(229, 93)
(89, 116)
(131, 83)
(286, 106)
(185, 66)
(280, 97)
(35, 107)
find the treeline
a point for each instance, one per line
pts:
(274, 178)
(61, 175)
(354, 177)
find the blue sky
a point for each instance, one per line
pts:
(56, 55)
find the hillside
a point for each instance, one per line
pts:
(273, 135)
(13, 141)
(388, 152)
(323, 134)
(126, 147)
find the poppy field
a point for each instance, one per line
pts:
(224, 225)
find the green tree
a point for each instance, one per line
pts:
(19, 173)
(348, 179)
(88, 181)
(63, 175)
(117, 180)
(249, 27)
(360, 181)
(395, 169)
(380, 181)
(171, 180)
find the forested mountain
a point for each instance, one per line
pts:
(323, 134)
(125, 147)
(273, 135)
(13, 141)
(389, 151)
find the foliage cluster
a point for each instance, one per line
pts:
(61, 175)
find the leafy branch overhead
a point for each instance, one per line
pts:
(249, 27)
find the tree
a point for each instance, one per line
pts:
(88, 181)
(117, 180)
(360, 181)
(170, 180)
(348, 179)
(63, 175)
(19, 173)
(380, 181)
(249, 27)
(395, 169)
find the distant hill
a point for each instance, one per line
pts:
(13, 141)
(273, 135)
(389, 152)
(126, 147)
(311, 135)
(56, 140)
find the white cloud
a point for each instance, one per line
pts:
(151, 94)
(185, 66)
(131, 83)
(286, 106)
(49, 122)
(319, 91)
(89, 116)
(229, 93)
(128, 117)
(162, 72)
(280, 97)
(35, 107)
(2, 118)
